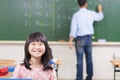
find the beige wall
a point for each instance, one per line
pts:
(102, 54)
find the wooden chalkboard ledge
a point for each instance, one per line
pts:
(65, 43)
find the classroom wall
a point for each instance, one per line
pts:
(102, 54)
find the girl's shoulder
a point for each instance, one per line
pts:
(20, 66)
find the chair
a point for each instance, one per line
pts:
(116, 64)
(56, 63)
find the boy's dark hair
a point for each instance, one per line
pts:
(82, 2)
(46, 57)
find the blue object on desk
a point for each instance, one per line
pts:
(11, 68)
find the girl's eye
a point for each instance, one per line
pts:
(40, 43)
(32, 43)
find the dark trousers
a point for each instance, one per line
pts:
(83, 46)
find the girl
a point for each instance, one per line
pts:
(36, 62)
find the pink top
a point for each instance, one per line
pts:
(34, 74)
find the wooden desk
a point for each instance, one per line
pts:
(116, 64)
(7, 63)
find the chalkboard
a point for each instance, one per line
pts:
(108, 28)
(18, 18)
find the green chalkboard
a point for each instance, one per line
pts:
(109, 28)
(18, 18)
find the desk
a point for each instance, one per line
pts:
(6, 62)
(9, 63)
(116, 64)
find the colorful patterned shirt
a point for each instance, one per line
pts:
(34, 74)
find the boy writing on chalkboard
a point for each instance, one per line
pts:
(82, 30)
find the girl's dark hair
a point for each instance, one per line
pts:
(46, 57)
(82, 2)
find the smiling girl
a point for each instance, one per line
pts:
(36, 64)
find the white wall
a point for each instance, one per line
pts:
(102, 54)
